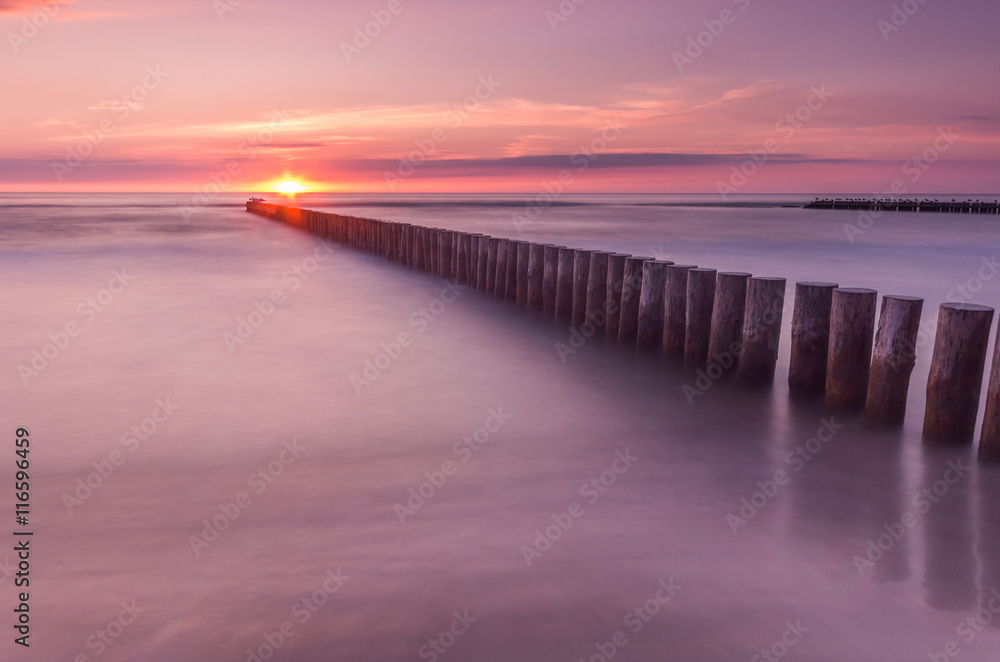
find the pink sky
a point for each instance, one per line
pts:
(266, 89)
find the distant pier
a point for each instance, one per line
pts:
(892, 204)
(723, 325)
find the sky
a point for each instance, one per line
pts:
(407, 96)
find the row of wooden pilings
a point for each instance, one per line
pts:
(724, 324)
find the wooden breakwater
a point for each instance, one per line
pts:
(913, 205)
(724, 325)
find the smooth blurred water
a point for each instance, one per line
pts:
(334, 505)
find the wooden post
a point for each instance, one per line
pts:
(464, 246)
(649, 330)
(500, 282)
(810, 338)
(536, 275)
(432, 250)
(474, 258)
(407, 256)
(597, 289)
(550, 278)
(893, 358)
(849, 355)
(492, 248)
(956, 377)
(616, 275)
(513, 252)
(484, 262)
(726, 335)
(989, 442)
(581, 274)
(418, 249)
(523, 257)
(444, 250)
(675, 309)
(564, 284)
(761, 330)
(628, 320)
(698, 329)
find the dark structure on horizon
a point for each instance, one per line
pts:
(893, 204)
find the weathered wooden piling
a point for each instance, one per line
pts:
(536, 275)
(564, 284)
(408, 231)
(483, 264)
(956, 376)
(727, 320)
(492, 249)
(628, 320)
(649, 330)
(550, 278)
(445, 250)
(761, 330)
(849, 353)
(893, 357)
(513, 253)
(581, 274)
(616, 276)
(700, 303)
(810, 338)
(675, 309)
(989, 440)
(464, 248)
(431, 247)
(523, 259)
(500, 282)
(597, 289)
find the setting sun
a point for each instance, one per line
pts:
(289, 187)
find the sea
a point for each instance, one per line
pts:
(248, 444)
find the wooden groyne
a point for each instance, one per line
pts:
(914, 205)
(722, 325)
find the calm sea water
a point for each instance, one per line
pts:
(209, 449)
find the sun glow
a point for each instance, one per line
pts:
(289, 187)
